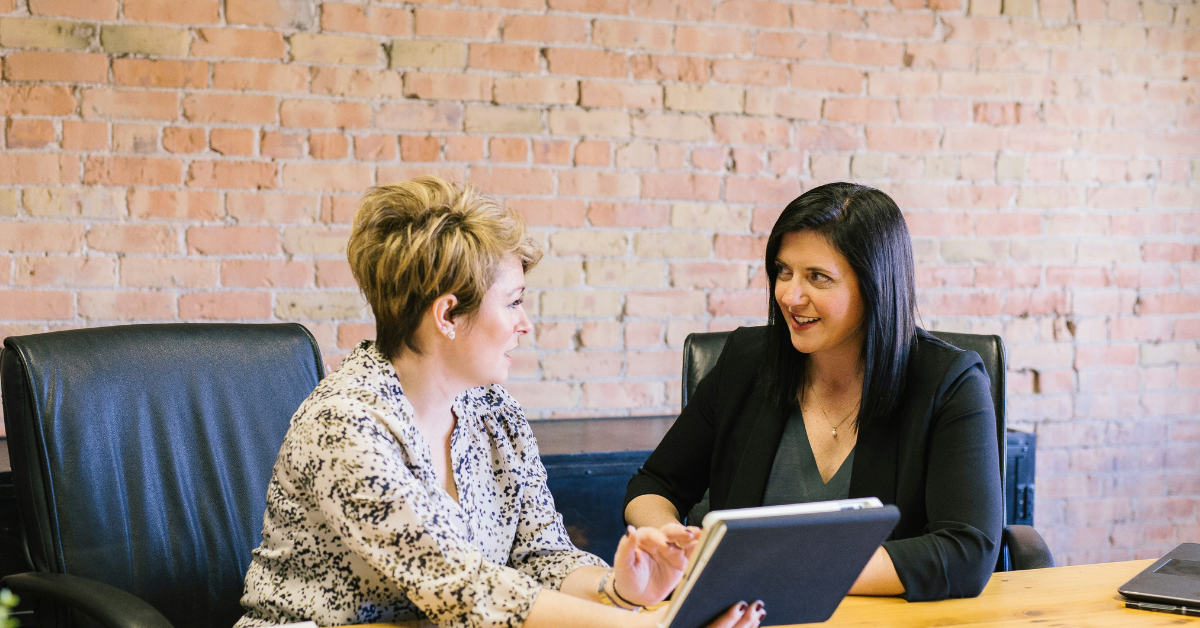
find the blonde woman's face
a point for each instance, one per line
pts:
(491, 332)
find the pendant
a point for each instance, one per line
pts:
(835, 432)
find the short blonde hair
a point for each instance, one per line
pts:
(416, 241)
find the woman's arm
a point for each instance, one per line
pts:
(878, 577)
(651, 510)
(963, 500)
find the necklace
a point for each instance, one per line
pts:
(833, 428)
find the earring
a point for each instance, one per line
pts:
(450, 334)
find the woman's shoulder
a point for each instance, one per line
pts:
(939, 364)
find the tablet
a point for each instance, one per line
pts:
(799, 559)
(1172, 579)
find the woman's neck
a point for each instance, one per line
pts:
(430, 388)
(837, 371)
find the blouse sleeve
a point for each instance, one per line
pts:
(957, 554)
(542, 547)
(381, 511)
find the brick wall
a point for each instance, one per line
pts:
(201, 161)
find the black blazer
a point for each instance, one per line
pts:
(936, 460)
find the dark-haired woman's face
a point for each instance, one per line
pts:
(818, 293)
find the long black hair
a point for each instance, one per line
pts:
(867, 228)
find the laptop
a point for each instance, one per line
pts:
(800, 559)
(1173, 580)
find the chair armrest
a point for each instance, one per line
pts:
(1026, 548)
(104, 603)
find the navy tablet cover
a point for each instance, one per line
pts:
(800, 566)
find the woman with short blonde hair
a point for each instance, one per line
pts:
(409, 484)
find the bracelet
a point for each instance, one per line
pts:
(602, 593)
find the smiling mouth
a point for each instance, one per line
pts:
(804, 320)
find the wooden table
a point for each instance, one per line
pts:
(1062, 597)
(1083, 596)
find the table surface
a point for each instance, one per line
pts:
(1060, 597)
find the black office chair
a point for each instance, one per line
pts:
(141, 456)
(1021, 547)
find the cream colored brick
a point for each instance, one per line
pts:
(8, 203)
(1187, 15)
(925, 251)
(322, 305)
(158, 41)
(589, 243)
(600, 334)
(868, 166)
(680, 128)
(1156, 12)
(1109, 252)
(407, 53)
(974, 251)
(1169, 353)
(53, 34)
(941, 167)
(1010, 168)
(643, 156)
(666, 244)
(712, 98)
(625, 273)
(92, 202)
(595, 123)
(712, 217)
(555, 274)
(678, 331)
(485, 119)
(827, 168)
(316, 240)
(985, 7)
(1041, 250)
(581, 303)
(1017, 8)
(1196, 171)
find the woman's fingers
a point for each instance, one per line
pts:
(741, 615)
(753, 616)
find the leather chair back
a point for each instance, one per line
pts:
(141, 454)
(701, 350)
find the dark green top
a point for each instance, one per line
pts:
(794, 476)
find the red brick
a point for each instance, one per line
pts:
(170, 11)
(234, 108)
(590, 183)
(29, 133)
(328, 145)
(79, 135)
(681, 186)
(420, 148)
(447, 86)
(630, 34)
(827, 137)
(740, 130)
(268, 273)
(826, 18)
(86, 9)
(827, 78)
(41, 237)
(549, 213)
(166, 272)
(508, 149)
(37, 100)
(592, 153)
(355, 18)
(66, 67)
(791, 45)
(356, 82)
(581, 62)
(266, 77)
(120, 238)
(513, 180)
(124, 305)
(232, 141)
(668, 68)
(132, 171)
(536, 91)
(504, 58)
(752, 13)
(238, 43)
(327, 177)
(231, 174)
(464, 148)
(457, 24)
(900, 25)
(749, 72)
(859, 110)
(236, 240)
(865, 52)
(712, 40)
(335, 273)
(135, 138)
(432, 116)
(630, 215)
(743, 303)
(239, 305)
(130, 104)
(973, 140)
(160, 73)
(350, 334)
(324, 114)
(541, 29)
(375, 147)
(281, 145)
(257, 207)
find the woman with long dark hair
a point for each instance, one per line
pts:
(842, 395)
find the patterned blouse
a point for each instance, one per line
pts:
(358, 528)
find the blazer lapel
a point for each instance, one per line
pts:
(874, 472)
(749, 482)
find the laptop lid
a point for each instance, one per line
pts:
(1174, 578)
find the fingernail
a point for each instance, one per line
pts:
(741, 607)
(758, 604)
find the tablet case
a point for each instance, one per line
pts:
(800, 566)
(1174, 578)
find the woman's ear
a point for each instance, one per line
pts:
(441, 314)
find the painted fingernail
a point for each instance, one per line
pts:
(741, 607)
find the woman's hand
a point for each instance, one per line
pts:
(650, 562)
(741, 615)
